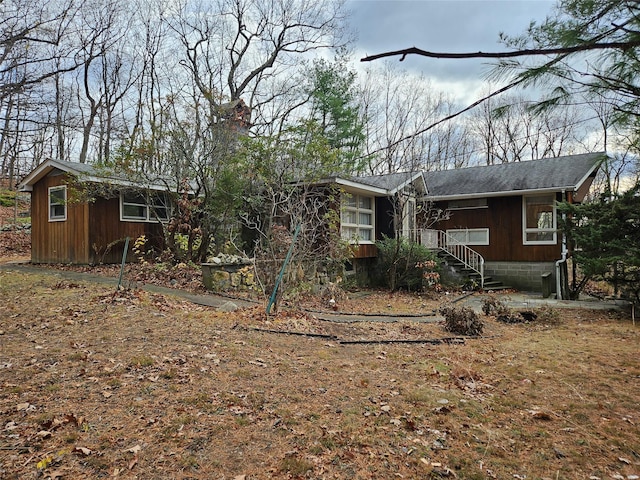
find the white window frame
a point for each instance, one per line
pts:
(409, 219)
(451, 232)
(553, 229)
(149, 216)
(358, 226)
(467, 204)
(50, 204)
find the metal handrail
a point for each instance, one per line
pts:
(441, 240)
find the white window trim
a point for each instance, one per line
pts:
(472, 204)
(467, 230)
(358, 226)
(553, 229)
(62, 218)
(409, 218)
(148, 218)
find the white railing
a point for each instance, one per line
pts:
(437, 239)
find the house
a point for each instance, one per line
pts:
(500, 221)
(68, 228)
(376, 206)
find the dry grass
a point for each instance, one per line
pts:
(146, 386)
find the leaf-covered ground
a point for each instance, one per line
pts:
(140, 385)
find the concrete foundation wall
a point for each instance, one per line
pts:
(526, 276)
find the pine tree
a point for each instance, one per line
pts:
(606, 240)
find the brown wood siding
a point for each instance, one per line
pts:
(107, 233)
(365, 251)
(503, 217)
(61, 241)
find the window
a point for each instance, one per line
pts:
(539, 220)
(136, 206)
(356, 219)
(57, 204)
(469, 236)
(409, 219)
(467, 203)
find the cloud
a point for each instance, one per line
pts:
(442, 26)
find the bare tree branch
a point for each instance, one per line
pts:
(516, 53)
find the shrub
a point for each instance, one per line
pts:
(547, 314)
(401, 264)
(462, 320)
(493, 306)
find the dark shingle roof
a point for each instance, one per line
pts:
(390, 181)
(558, 173)
(91, 173)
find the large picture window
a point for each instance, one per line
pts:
(468, 236)
(138, 207)
(539, 220)
(57, 204)
(357, 218)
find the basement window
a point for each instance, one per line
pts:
(539, 220)
(57, 204)
(137, 207)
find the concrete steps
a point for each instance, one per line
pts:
(490, 284)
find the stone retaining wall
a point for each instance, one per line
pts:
(224, 277)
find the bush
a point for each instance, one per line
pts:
(7, 198)
(492, 306)
(401, 264)
(462, 320)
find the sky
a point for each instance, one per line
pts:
(442, 26)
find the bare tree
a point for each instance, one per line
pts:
(35, 42)
(403, 128)
(510, 131)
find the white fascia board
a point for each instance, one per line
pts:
(408, 182)
(350, 184)
(509, 193)
(586, 177)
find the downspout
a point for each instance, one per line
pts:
(564, 253)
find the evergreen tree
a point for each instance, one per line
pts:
(606, 240)
(335, 112)
(587, 48)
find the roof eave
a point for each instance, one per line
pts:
(354, 185)
(408, 182)
(42, 170)
(508, 193)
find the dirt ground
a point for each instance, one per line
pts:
(99, 384)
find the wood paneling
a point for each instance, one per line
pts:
(92, 233)
(107, 233)
(365, 251)
(503, 218)
(61, 241)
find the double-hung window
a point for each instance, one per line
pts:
(137, 207)
(57, 204)
(539, 220)
(357, 218)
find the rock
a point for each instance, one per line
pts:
(228, 307)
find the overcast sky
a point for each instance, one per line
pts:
(442, 26)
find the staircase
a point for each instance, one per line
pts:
(464, 260)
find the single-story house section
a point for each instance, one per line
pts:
(500, 220)
(507, 213)
(69, 230)
(375, 206)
